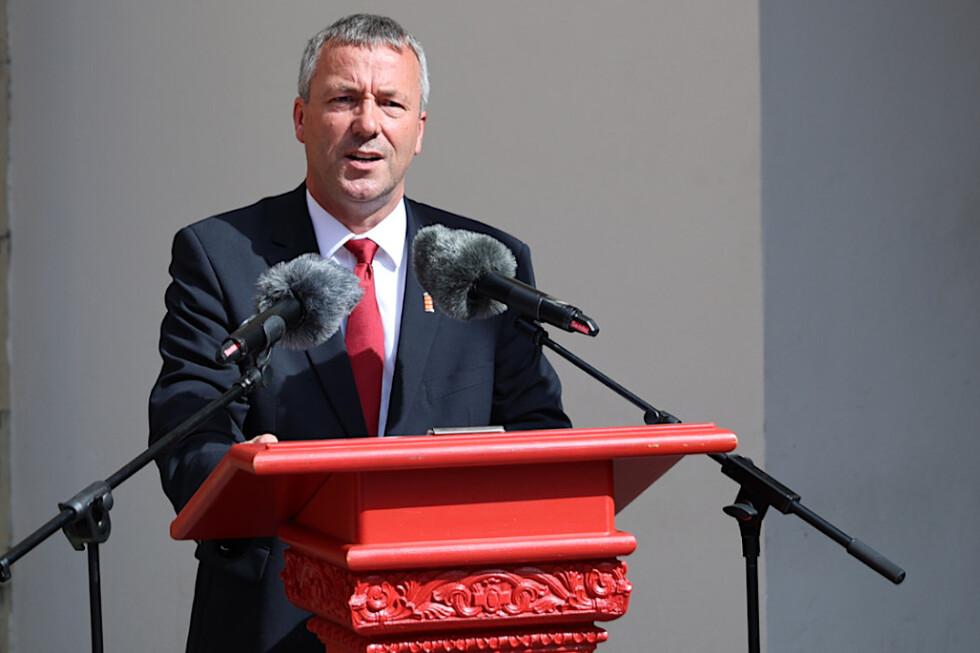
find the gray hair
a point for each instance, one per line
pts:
(363, 30)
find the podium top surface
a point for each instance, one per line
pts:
(280, 476)
(508, 448)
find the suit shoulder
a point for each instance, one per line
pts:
(250, 218)
(280, 219)
(428, 215)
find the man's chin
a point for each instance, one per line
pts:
(360, 196)
(364, 190)
(368, 191)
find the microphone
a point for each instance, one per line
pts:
(470, 276)
(301, 302)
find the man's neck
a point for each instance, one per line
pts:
(360, 217)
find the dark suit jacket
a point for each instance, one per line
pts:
(447, 373)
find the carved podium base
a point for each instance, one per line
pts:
(502, 542)
(553, 640)
(540, 608)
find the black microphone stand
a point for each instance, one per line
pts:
(758, 491)
(85, 517)
(538, 336)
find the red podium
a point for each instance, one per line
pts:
(478, 542)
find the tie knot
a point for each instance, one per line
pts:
(363, 249)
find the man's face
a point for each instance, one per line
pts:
(361, 128)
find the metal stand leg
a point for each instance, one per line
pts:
(95, 596)
(750, 525)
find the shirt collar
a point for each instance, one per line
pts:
(389, 234)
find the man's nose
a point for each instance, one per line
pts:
(366, 118)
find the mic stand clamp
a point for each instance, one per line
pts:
(757, 492)
(89, 527)
(91, 523)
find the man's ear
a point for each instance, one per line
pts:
(418, 141)
(299, 114)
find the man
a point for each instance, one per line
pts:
(361, 117)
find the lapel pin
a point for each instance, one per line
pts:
(427, 303)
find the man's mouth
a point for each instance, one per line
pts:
(364, 157)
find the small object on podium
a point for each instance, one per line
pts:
(465, 430)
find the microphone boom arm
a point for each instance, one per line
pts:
(538, 336)
(758, 490)
(85, 517)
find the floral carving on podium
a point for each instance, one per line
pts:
(377, 601)
(551, 640)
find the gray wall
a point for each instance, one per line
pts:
(621, 141)
(586, 130)
(871, 221)
(4, 323)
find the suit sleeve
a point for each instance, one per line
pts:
(527, 392)
(196, 322)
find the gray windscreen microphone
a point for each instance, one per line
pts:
(470, 276)
(300, 302)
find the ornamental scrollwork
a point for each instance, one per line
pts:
(582, 641)
(596, 590)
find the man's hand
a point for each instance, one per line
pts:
(263, 439)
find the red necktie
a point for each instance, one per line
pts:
(365, 336)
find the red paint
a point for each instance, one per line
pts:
(474, 542)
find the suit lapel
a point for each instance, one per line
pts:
(291, 228)
(332, 367)
(294, 235)
(416, 335)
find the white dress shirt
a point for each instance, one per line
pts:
(389, 276)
